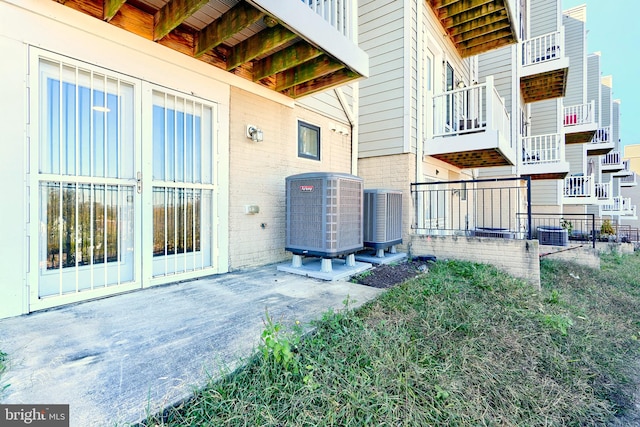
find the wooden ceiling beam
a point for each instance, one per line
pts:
(476, 50)
(339, 77)
(487, 20)
(259, 44)
(173, 14)
(290, 57)
(485, 39)
(308, 71)
(111, 7)
(470, 6)
(232, 22)
(482, 33)
(470, 16)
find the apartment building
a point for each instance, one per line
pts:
(148, 141)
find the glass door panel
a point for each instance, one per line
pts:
(86, 158)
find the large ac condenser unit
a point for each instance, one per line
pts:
(324, 214)
(382, 218)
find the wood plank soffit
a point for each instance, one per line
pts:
(292, 56)
(233, 21)
(173, 14)
(259, 44)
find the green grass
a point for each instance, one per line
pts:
(465, 345)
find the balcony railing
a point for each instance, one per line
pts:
(338, 13)
(542, 149)
(630, 180)
(603, 190)
(468, 110)
(601, 136)
(579, 186)
(582, 114)
(619, 206)
(542, 48)
(611, 159)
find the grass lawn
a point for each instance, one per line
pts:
(463, 345)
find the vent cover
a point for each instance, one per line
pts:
(324, 214)
(382, 218)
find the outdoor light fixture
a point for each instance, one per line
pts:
(460, 84)
(254, 134)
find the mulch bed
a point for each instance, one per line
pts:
(389, 275)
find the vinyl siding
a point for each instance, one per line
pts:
(605, 110)
(328, 104)
(499, 64)
(593, 83)
(381, 119)
(545, 192)
(615, 123)
(543, 17)
(575, 49)
(575, 155)
(544, 117)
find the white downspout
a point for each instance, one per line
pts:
(420, 131)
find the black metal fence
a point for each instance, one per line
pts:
(576, 227)
(482, 208)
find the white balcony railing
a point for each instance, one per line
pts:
(630, 180)
(338, 13)
(603, 190)
(611, 159)
(542, 149)
(542, 48)
(470, 110)
(619, 206)
(601, 136)
(579, 186)
(582, 114)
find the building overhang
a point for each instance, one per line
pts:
(282, 45)
(476, 26)
(547, 80)
(483, 149)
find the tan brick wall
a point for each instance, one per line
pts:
(516, 257)
(258, 171)
(395, 172)
(585, 255)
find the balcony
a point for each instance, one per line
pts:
(601, 143)
(476, 26)
(580, 190)
(471, 128)
(292, 47)
(543, 157)
(621, 206)
(611, 162)
(544, 67)
(579, 123)
(626, 171)
(629, 180)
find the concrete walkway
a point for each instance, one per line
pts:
(116, 359)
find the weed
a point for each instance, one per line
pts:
(558, 322)
(280, 347)
(554, 297)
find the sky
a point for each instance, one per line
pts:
(613, 30)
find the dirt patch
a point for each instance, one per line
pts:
(389, 275)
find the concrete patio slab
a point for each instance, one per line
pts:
(116, 359)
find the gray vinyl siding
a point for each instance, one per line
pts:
(575, 49)
(575, 155)
(605, 111)
(545, 192)
(593, 83)
(328, 104)
(382, 95)
(543, 17)
(544, 117)
(615, 124)
(499, 64)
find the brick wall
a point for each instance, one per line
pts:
(516, 257)
(258, 171)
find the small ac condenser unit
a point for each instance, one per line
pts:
(324, 214)
(382, 218)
